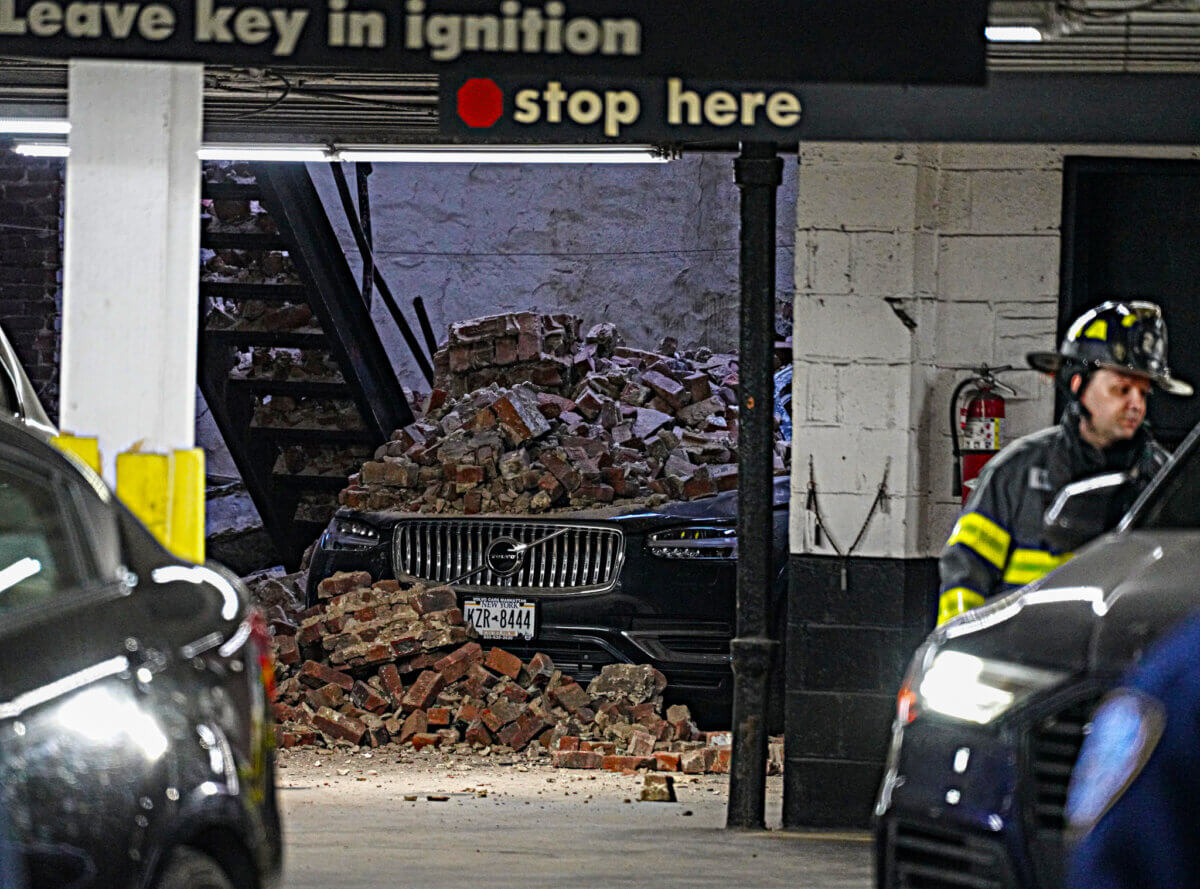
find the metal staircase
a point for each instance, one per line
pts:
(301, 399)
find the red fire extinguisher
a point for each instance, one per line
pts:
(976, 425)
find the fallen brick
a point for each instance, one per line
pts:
(338, 725)
(456, 665)
(367, 698)
(286, 650)
(613, 763)
(390, 677)
(415, 724)
(666, 762)
(423, 691)
(502, 662)
(641, 744)
(658, 789)
(723, 760)
(314, 675)
(521, 731)
(697, 762)
(328, 695)
(576, 759)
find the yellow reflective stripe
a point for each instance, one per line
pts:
(954, 602)
(1129, 320)
(1027, 565)
(982, 535)
(1097, 330)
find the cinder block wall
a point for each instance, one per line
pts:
(31, 194)
(962, 241)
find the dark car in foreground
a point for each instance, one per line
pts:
(996, 704)
(135, 740)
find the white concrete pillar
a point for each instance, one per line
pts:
(131, 245)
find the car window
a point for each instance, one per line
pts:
(36, 557)
(9, 405)
(1177, 504)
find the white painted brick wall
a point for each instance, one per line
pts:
(966, 237)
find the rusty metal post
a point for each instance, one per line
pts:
(758, 172)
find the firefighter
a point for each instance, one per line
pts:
(1108, 361)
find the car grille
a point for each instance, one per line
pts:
(581, 559)
(1051, 750)
(940, 858)
(1054, 745)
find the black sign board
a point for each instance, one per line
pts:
(583, 110)
(780, 41)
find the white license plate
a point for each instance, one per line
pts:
(495, 618)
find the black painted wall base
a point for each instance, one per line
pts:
(847, 650)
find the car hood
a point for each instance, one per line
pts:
(722, 507)
(1096, 614)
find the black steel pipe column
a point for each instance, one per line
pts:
(758, 172)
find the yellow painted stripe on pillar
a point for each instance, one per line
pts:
(143, 485)
(186, 521)
(983, 536)
(84, 447)
(166, 492)
(1027, 565)
(956, 601)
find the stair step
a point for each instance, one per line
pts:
(242, 241)
(231, 191)
(295, 388)
(287, 339)
(293, 293)
(303, 435)
(309, 482)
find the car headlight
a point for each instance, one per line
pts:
(695, 542)
(344, 533)
(973, 689)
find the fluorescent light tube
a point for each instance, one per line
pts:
(1012, 34)
(506, 154)
(42, 149)
(30, 126)
(264, 153)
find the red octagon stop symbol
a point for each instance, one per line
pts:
(480, 102)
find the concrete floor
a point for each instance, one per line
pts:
(349, 824)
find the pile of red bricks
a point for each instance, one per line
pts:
(386, 662)
(601, 425)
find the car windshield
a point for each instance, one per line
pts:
(34, 553)
(1177, 503)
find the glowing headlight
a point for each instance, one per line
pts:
(350, 534)
(973, 689)
(694, 542)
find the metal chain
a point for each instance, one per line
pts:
(814, 506)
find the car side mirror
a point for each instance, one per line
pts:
(1084, 510)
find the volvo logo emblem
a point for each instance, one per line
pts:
(503, 556)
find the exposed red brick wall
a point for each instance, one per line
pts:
(31, 195)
